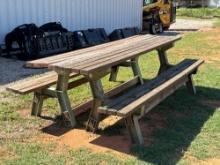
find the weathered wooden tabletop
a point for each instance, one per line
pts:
(103, 56)
(95, 62)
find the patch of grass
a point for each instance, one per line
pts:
(217, 23)
(84, 156)
(198, 12)
(37, 153)
(34, 154)
(13, 125)
(7, 113)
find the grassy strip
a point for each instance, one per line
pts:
(199, 12)
(217, 23)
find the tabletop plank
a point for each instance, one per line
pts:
(113, 55)
(126, 56)
(100, 58)
(90, 57)
(45, 62)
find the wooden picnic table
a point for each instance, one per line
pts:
(96, 62)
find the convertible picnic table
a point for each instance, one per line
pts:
(96, 62)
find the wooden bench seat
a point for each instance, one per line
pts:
(36, 83)
(140, 99)
(41, 86)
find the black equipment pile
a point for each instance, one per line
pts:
(52, 38)
(36, 42)
(123, 33)
(90, 37)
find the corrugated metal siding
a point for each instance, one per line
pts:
(74, 14)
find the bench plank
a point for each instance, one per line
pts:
(152, 92)
(36, 83)
(141, 90)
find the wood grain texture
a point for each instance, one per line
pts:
(44, 62)
(36, 83)
(105, 55)
(112, 55)
(153, 92)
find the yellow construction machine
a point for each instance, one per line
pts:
(158, 15)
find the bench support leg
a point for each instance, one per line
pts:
(136, 69)
(164, 64)
(37, 104)
(190, 85)
(62, 87)
(98, 95)
(94, 117)
(133, 127)
(114, 73)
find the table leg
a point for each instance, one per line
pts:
(98, 95)
(134, 130)
(37, 104)
(136, 69)
(62, 87)
(114, 73)
(190, 85)
(164, 63)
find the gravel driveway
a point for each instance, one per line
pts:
(191, 25)
(12, 70)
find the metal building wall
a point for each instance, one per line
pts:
(74, 14)
(214, 3)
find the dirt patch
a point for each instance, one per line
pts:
(216, 30)
(191, 25)
(207, 29)
(118, 142)
(216, 58)
(155, 121)
(109, 121)
(194, 161)
(24, 113)
(211, 103)
(212, 59)
(79, 138)
(212, 161)
(190, 158)
(214, 36)
(6, 154)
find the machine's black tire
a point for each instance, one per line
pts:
(161, 29)
(153, 29)
(166, 28)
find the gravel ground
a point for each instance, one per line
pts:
(12, 70)
(191, 25)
